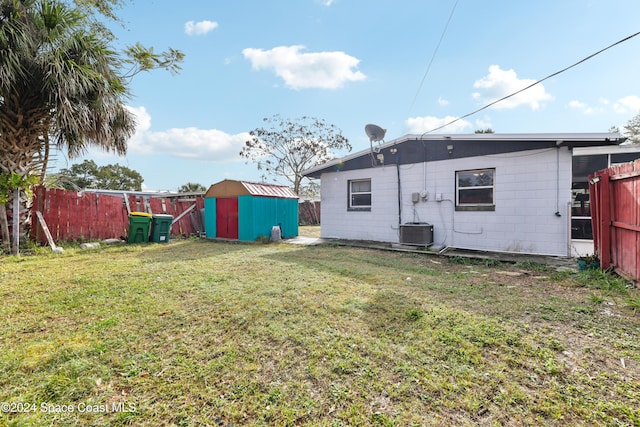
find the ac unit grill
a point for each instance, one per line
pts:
(416, 233)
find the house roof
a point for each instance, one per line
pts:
(625, 148)
(233, 188)
(424, 148)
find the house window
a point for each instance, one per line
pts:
(474, 190)
(360, 195)
(582, 167)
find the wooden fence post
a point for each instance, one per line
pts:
(16, 222)
(4, 228)
(606, 206)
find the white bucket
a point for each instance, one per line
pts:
(275, 233)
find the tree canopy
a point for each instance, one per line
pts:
(61, 83)
(287, 147)
(88, 174)
(632, 129)
(192, 187)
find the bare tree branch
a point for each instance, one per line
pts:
(287, 147)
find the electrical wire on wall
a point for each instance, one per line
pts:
(515, 156)
(444, 240)
(374, 161)
(396, 152)
(558, 214)
(424, 167)
(399, 192)
(453, 225)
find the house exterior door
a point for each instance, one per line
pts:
(227, 218)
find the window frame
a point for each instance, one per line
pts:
(582, 165)
(350, 193)
(483, 207)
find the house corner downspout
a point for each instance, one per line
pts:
(399, 195)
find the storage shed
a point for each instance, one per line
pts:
(247, 211)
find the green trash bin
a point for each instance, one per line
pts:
(160, 228)
(139, 224)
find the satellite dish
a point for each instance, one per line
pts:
(375, 132)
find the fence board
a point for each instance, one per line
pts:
(616, 195)
(50, 212)
(91, 216)
(309, 212)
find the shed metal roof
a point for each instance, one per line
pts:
(269, 190)
(233, 188)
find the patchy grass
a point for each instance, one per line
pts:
(196, 332)
(309, 230)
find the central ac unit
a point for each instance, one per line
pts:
(416, 233)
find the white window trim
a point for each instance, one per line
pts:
(351, 192)
(476, 206)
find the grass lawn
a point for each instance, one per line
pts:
(197, 333)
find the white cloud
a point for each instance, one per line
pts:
(192, 28)
(442, 102)
(484, 123)
(324, 70)
(428, 123)
(585, 108)
(577, 105)
(143, 119)
(500, 83)
(188, 143)
(627, 104)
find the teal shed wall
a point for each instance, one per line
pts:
(210, 217)
(288, 214)
(256, 217)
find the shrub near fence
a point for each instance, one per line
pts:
(72, 215)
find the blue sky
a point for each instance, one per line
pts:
(353, 62)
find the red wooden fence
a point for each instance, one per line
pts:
(615, 196)
(309, 212)
(87, 216)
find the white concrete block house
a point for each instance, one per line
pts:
(488, 192)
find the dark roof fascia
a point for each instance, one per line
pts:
(418, 149)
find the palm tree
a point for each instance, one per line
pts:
(59, 80)
(59, 84)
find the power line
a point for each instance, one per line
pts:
(535, 83)
(435, 52)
